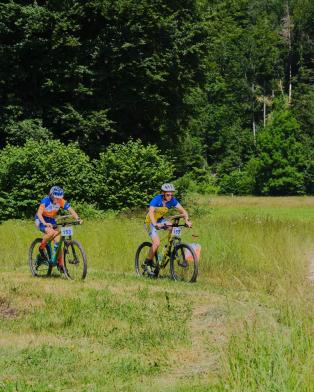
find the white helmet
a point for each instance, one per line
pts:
(168, 188)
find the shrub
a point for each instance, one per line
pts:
(27, 173)
(18, 133)
(281, 160)
(130, 174)
(237, 183)
(88, 210)
(197, 180)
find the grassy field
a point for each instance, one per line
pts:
(246, 325)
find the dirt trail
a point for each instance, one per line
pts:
(311, 269)
(206, 327)
(207, 330)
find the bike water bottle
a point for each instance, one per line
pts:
(159, 257)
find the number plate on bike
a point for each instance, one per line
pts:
(66, 231)
(176, 231)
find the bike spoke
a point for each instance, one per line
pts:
(75, 264)
(38, 263)
(141, 268)
(184, 264)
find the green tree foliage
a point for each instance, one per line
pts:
(126, 175)
(198, 78)
(129, 174)
(19, 132)
(28, 172)
(243, 64)
(303, 103)
(101, 71)
(238, 182)
(281, 159)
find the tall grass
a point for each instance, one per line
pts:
(246, 325)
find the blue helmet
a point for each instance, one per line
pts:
(57, 192)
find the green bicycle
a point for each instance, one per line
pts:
(69, 258)
(182, 258)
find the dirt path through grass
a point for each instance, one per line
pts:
(198, 362)
(311, 269)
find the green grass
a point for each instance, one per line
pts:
(246, 325)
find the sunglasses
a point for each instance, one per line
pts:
(168, 194)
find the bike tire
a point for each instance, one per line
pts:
(34, 267)
(140, 256)
(182, 269)
(75, 260)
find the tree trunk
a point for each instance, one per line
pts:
(287, 34)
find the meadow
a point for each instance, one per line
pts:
(247, 324)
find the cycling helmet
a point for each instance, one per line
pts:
(57, 192)
(168, 188)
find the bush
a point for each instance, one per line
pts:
(27, 173)
(197, 180)
(281, 160)
(18, 133)
(309, 170)
(237, 183)
(130, 174)
(88, 210)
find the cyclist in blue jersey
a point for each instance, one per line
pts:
(45, 217)
(155, 219)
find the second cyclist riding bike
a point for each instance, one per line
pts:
(181, 257)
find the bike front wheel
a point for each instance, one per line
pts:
(37, 264)
(140, 257)
(184, 264)
(75, 260)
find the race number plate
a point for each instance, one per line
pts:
(66, 231)
(176, 231)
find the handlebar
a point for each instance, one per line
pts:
(165, 226)
(73, 223)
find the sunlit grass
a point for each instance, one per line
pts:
(246, 325)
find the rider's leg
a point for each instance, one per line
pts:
(49, 234)
(57, 240)
(60, 255)
(154, 247)
(152, 232)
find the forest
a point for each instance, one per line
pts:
(110, 98)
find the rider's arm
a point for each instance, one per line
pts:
(152, 215)
(73, 213)
(66, 206)
(40, 214)
(184, 213)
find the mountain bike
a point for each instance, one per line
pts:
(69, 257)
(181, 257)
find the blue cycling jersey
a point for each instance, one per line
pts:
(161, 207)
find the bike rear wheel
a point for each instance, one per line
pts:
(38, 265)
(140, 257)
(183, 264)
(75, 260)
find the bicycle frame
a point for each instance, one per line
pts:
(54, 257)
(171, 242)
